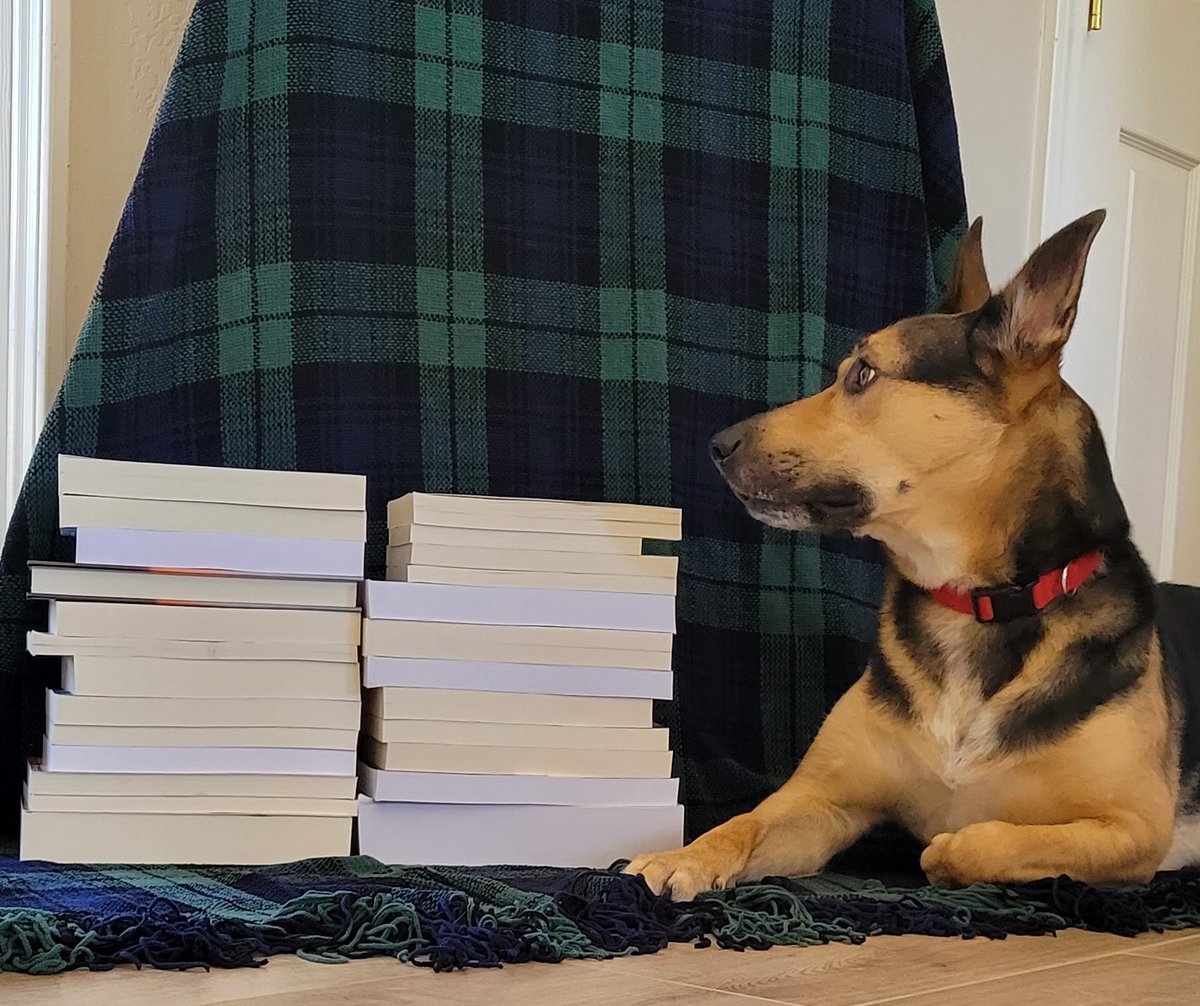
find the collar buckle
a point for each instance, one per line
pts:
(1002, 604)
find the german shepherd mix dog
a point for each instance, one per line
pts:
(1015, 714)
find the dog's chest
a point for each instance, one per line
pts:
(956, 733)
(958, 726)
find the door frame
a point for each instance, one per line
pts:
(24, 220)
(1066, 99)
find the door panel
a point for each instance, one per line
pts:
(1150, 340)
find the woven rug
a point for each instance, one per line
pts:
(527, 248)
(56, 918)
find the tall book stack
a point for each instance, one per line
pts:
(510, 662)
(208, 631)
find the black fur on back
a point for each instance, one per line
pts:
(1178, 621)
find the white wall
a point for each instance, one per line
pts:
(999, 55)
(111, 62)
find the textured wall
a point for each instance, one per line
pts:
(999, 55)
(121, 52)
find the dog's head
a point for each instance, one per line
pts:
(928, 425)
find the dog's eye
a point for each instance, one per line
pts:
(860, 376)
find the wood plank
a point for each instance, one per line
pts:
(904, 969)
(579, 983)
(1185, 950)
(283, 975)
(840, 975)
(289, 981)
(1117, 980)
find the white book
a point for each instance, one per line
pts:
(542, 525)
(506, 707)
(257, 680)
(203, 760)
(198, 483)
(425, 602)
(644, 585)
(419, 503)
(254, 805)
(44, 644)
(137, 711)
(69, 580)
(394, 638)
(543, 541)
(39, 783)
(437, 834)
(191, 738)
(413, 506)
(65, 837)
(472, 650)
(492, 675)
(452, 787)
(516, 735)
(497, 759)
(223, 518)
(533, 560)
(138, 620)
(209, 550)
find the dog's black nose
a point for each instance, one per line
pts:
(723, 445)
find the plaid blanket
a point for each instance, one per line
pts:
(531, 248)
(56, 918)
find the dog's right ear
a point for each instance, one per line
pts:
(968, 288)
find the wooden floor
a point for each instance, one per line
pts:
(1074, 969)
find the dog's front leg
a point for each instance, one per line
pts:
(791, 833)
(1118, 849)
(843, 785)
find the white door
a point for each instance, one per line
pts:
(1124, 133)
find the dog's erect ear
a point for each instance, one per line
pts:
(968, 286)
(1041, 301)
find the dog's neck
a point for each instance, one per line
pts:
(1069, 509)
(930, 559)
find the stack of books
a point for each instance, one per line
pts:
(209, 704)
(511, 662)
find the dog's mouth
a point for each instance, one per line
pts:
(790, 516)
(838, 506)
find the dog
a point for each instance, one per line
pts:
(1015, 713)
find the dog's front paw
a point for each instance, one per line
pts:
(938, 860)
(681, 873)
(976, 854)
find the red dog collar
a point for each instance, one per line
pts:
(1002, 604)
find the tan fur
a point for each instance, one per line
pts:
(1097, 803)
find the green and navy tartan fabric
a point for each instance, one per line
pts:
(531, 248)
(54, 918)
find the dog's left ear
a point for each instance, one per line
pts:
(1040, 303)
(968, 287)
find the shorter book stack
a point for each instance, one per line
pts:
(208, 631)
(511, 662)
